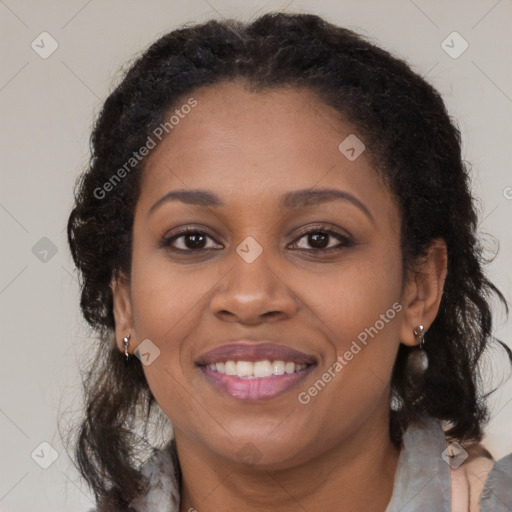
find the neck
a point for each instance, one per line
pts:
(341, 478)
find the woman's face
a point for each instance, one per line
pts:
(315, 320)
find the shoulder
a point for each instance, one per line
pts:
(497, 493)
(468, 479)
(481, 484)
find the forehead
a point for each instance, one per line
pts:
(257, 145)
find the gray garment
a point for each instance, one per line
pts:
(422, 479)
(497, 494)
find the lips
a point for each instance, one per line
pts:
(254, 352)
(254, 372)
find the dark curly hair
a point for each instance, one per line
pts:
(407, 130)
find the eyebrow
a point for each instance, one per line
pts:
(293, 200)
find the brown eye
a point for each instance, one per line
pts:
(188, 239)
(320, 240)
(194, 240)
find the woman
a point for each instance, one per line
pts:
(278, 249)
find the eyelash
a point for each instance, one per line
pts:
(345, 241)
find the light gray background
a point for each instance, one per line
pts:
(48, 106)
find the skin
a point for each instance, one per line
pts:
(250, 148)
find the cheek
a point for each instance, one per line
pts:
(357, 297)
(161, 301)
(361, 307)
(166, 304)
(168, 308)
(165, 296)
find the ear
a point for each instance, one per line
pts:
(122, 309)
(423, 291)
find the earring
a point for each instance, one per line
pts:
(126, 342)
(419, 332)
(417, 362)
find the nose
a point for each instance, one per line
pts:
(252, 293)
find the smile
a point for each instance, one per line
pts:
(255, 371)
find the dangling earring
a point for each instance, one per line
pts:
(417, 362)
(126, 342)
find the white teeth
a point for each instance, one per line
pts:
(262, 369)
(257, 369)
(229, 368)
(278, 367)
(289, 367)
(244, 368)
